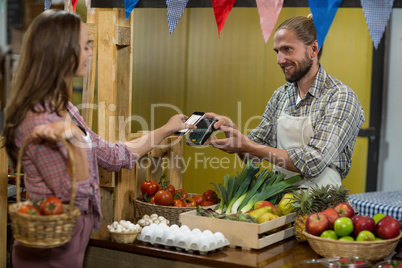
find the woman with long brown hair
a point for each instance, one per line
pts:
(54, 51)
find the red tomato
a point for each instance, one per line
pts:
(207, 203)
(170, 188)
(177, 203)
(149, 187)
(51, 206)
(28, 209)
(189, 202)
(210, 195)
(163, 198)
(152, 201)
(198, 198)
(181, 193)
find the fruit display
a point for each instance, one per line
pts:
(316, 199)
(163, 193)
(389, 264)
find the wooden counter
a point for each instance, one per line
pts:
(102, 252)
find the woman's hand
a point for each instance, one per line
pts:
(176, 123)
(54, 130)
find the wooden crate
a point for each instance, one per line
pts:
(242, 234)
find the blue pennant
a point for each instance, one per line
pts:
(48, 4)
(324, 12)
(175, 9)
(377, 13)
(129, 5)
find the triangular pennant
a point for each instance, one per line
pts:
(222, 9)
(129, 5)
(324, 12)
(269, 12)
(175, 9)
(48, 4)
(74, 2)
(377, 13)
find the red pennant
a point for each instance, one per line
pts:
(74, 2)
(222, 9)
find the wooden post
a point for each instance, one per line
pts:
(3, 205)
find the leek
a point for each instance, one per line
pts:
(262, 178)
(271, 191)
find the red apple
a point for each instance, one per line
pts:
(275, 209)
(387, 228)
(332, 216)
(317, 223)
(362, 223)
(344, 210)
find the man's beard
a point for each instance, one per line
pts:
(304, 68)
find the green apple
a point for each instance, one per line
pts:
(346, 238)
(365, 236)
(343, 226)
(377, 239)
(329, 234)
(378, 217)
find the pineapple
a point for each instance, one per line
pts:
(315, 199)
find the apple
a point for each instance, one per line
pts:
(365, 236)
(275, 209)
(378, 217)
(345, 210)
(317, 223)
(362, 223)
(332, 216)
(330, 234)
(343, 226)
(346, 238)
(387, 228)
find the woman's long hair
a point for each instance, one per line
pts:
(49, 58)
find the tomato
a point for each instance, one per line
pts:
(149, 187)
(207, 203)
(198, 198)
(152, 201)
(163, 198)
(177, 203)
(170, 188)
(28, 209)
(210, 195)
(189, 202)
(51, 206)
(181, 194)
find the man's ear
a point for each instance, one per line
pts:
(314, 49)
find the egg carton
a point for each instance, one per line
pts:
(182, 238)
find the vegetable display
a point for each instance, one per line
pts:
(241, 192)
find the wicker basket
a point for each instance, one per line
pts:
(123, 237)
(170, 213)
(39, 231)
(368, 250)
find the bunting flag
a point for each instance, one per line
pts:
(2, 5)
(129, 5)
(377, 13)
(74, 2)
(269, 12)
(222, 9)
(324, 12)
(48, 4)
(175, 9)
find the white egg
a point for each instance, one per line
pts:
(174, 227)
(191, 242)
(220, 239)
(146, 234)
(156, 236)
(184, 228)
(207, 232)
(196, 231)
(213, 242)
(203, 243)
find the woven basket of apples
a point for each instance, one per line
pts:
(339, 231)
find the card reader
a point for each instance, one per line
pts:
(201, 134)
